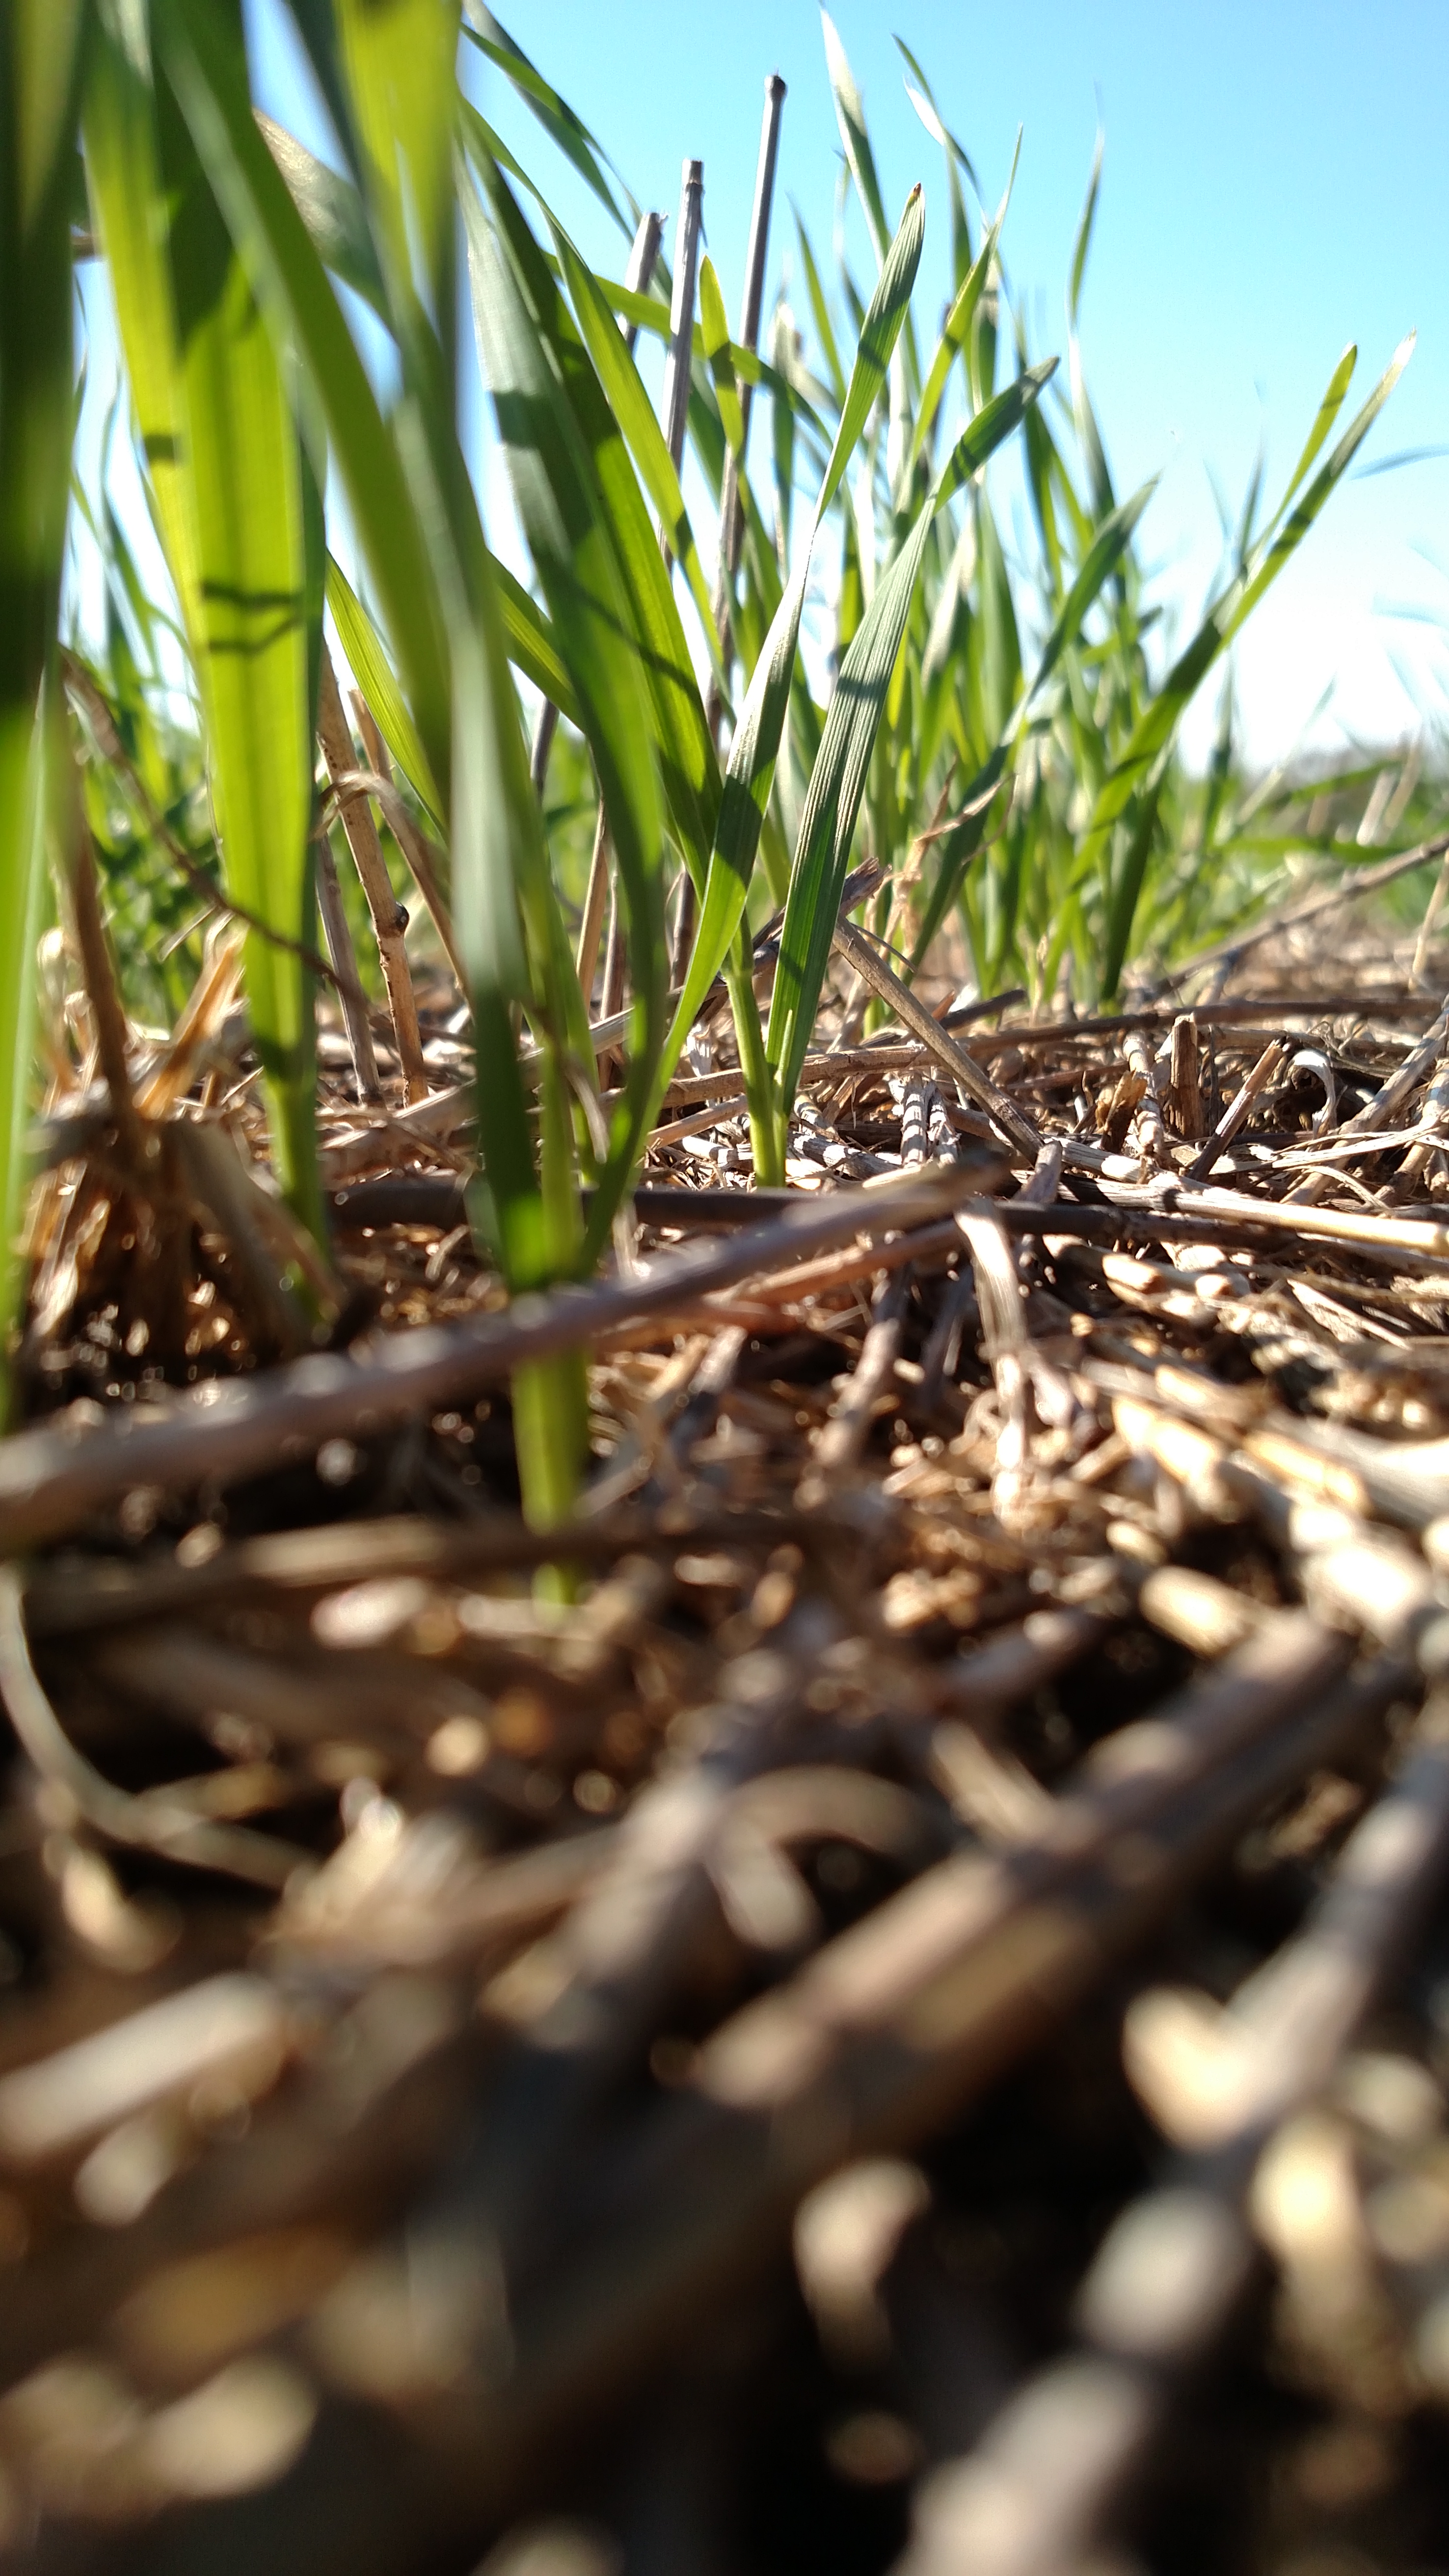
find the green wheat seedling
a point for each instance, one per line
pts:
(994, 731)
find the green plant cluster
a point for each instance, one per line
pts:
(995, 735)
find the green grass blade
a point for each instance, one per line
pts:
(1083, 242)
(1158, 722)
(1327, 413)
(532, 644)
(1287, 534)
(1135, 772)
(630, 404)
(400, 66)
(756, 744)
(1088, 435)
(687, 763)
(887, 311)
(837, 783)
(1106, 551)
(371, 668)
(956, 329)
(820, 308)
(124, 178)
(850, 117)
(554, 114)
(284, 266)
(538, 374)
(243, 471)
(715, 325)
(860, 160)
(923, 100)
(1104, 555)
(333, 213)
(41, 46)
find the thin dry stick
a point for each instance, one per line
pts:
(85, 1594)
(916, 1096)
(152, 1821)
(538, 758)
(731, 514)
(769, 1301)
(1387, 1100)
(51, 1479)
(420, 853)
(1014, 1124)
(388, 915)
(1239, 1109)
(1185, 1077)
(616, 961)
(907, 879)
(942, 1353)
(680, 358)
(218, 1182)
(1174, 2266)
(1428, 926)
(609, 1966)
(841, 1439)
(1433, 1133)
(596, 898)
(1355, 882)
(893, 2026)
(338, 934)
(1142, 1060)
(107, 1015)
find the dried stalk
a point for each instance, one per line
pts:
(1185, 1078)
(1239, 1109)
(1390, 1097)
(417, 849)
(1353, 883)
(1142, 1060)
(1172, 2270)
(680, 357)
(893, 2027)
(1015, 1126)
(337, 932)
(732, 517)
(50, 1479)
(153, 1821)
(89, 1595)
(108, 1018)
(388, 915)
(841, 1439)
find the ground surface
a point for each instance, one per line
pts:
(909, 2022)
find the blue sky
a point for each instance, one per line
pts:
(1275, 185)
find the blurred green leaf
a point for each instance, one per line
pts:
(822, 853)
(557, 118)
(41, 62)
(243, 489)
(286, 270)
(333, 213)
(756, 744)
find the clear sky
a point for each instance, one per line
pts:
(1276, 184)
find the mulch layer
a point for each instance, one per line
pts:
(897, 2017)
